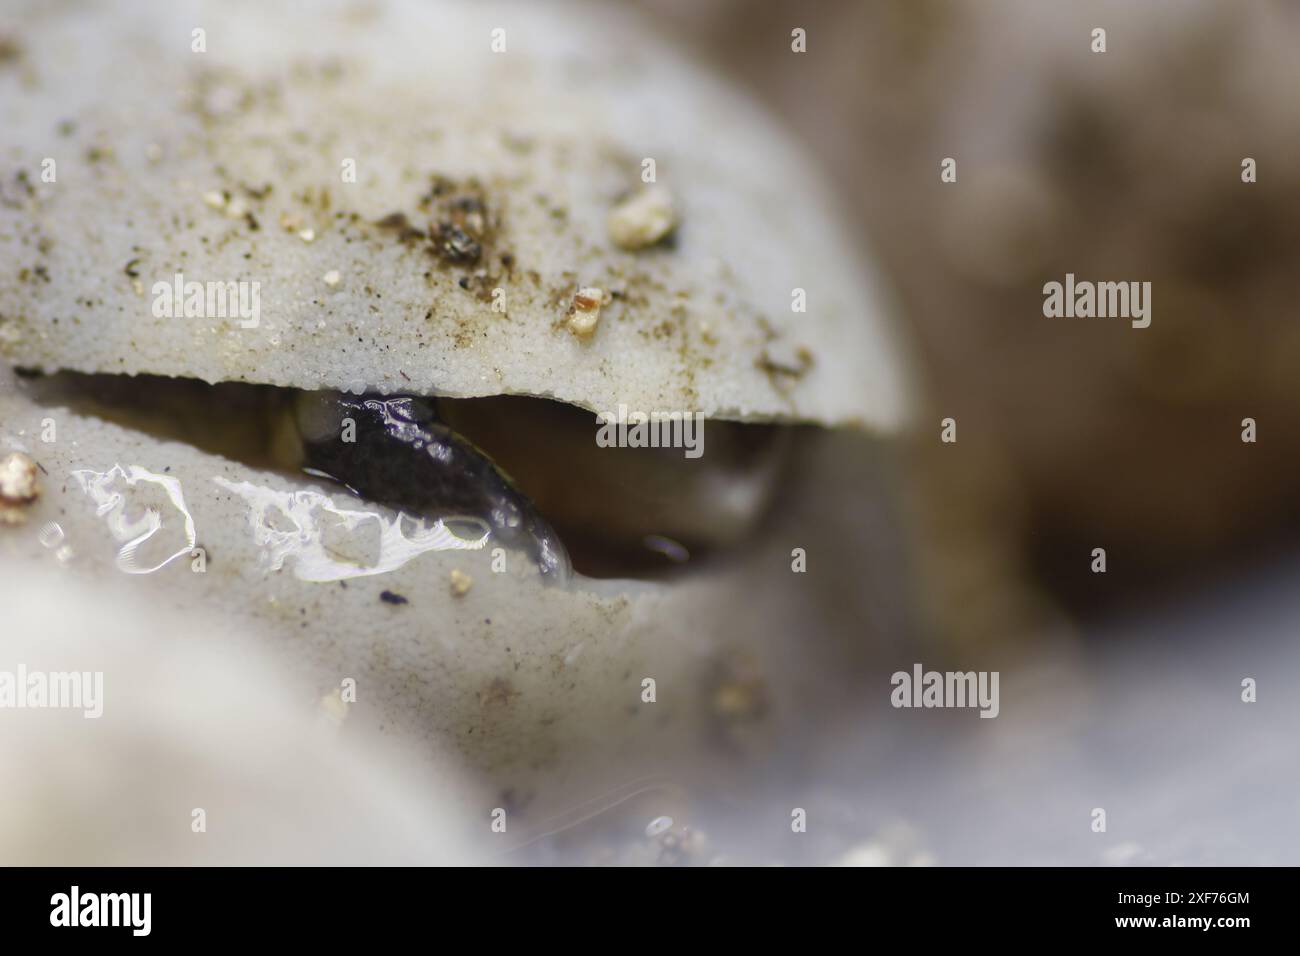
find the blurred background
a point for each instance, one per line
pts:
(1121, 690)
(1124, 165)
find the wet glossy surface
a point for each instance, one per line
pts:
(395, 452)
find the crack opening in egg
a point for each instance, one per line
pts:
(529, 470)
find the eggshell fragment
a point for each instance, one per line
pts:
(394, 146)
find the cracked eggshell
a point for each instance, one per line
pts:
(522, 679)
(538, 689)
(229, 166)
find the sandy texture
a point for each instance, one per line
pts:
(227, 166)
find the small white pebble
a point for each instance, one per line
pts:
(307, 235)
(584, 318)
(18, 487)
(332, 278)
(460, 582)
(642, 219)
(214, 199)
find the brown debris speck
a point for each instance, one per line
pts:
(398, 223)
(9, 48)
(784, 370)
(497, 694)
(460, 225)
(455, 244)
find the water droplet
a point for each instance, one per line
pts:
(145, 512)
(329, 543)
(51, 535)
(657, 826)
